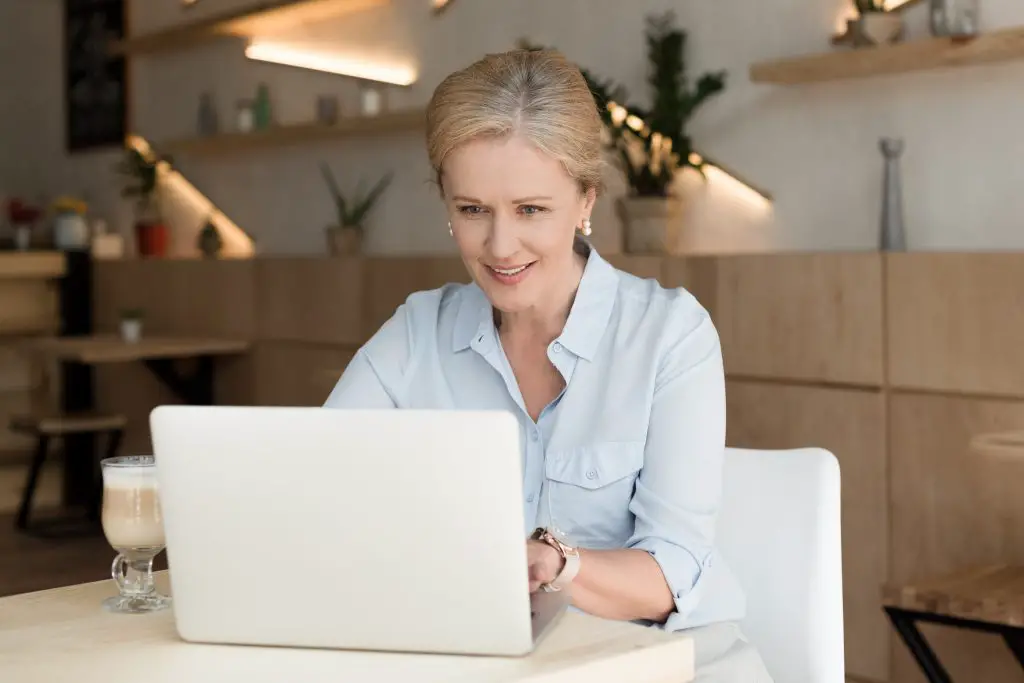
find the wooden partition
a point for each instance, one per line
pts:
(29, 306)
(890, 362)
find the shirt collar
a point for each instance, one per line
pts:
(584, 328)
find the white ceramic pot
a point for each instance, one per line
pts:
(131, 330)
(70, 232)
(650, 224)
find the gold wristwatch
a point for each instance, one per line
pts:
(571, 566)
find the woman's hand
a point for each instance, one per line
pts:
(545, 563)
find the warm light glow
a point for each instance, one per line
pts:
(331, 63)
(736, 187)
(440, 4)
(236, 242)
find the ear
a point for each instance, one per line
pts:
(589, 198)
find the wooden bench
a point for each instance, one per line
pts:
(45, 428)
(988, 599)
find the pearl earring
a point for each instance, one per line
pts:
(450, 232)
(586, 226)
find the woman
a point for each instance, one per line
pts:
(617, 382)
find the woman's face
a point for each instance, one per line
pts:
(514, 213)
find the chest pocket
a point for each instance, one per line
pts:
(589, 491)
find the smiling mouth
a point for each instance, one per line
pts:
(510, 275)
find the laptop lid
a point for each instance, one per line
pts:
(396, 530)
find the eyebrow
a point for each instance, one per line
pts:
(523, 200)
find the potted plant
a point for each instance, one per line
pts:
(131, 324)
(22, 218)
(874, 24)
(346, 236)
(651, 145)
(151, 232)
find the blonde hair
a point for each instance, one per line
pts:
(538, 94)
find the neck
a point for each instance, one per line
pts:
(545, 322)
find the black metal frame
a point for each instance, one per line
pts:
(904, 621)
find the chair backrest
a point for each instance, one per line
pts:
(779, 531)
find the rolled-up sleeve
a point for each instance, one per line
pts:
(678, 493)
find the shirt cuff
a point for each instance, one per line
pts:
(683, 573)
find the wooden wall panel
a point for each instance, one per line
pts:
(28, 307)
(214, 298)
(956, 322)
(814, 317)
(942, 522)
(641, 266)
(310, 299)
(388, 282)
(298, 374)
(851, 424)
(698, 275)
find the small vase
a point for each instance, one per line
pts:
(22, 237)
(209, 241)
(131, 330)
(650, 224)
(892, 234)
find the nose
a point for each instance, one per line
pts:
(503, 240)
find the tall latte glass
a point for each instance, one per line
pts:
(133, 525)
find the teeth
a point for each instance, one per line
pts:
(502, 271)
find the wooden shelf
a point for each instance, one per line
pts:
(32, 265)
(918, 55)
(262, 17)
(362, 126)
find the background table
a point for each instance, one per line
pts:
(76, 356)
(64, 634)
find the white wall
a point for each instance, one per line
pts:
(813, 147)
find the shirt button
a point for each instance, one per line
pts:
(592, 474)
(529, 498)
(557, 347)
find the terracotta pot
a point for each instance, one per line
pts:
(344, 241)
(152, 239)
(650, 224)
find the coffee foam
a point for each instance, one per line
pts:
(130, 477)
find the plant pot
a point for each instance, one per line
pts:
(152, 239)
(650, 224)
(70, 232)
(344, 241)
(878, 28)
(22, 237)
(131, 329)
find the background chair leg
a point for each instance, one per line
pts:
(918, 646)
(38, 458)
(1015, 641)
(113, 444)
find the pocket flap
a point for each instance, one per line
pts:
(595, 465)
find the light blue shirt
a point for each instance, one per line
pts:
(629, 455)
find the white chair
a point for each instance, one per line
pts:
(779, 531)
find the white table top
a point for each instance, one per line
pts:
(64, 634)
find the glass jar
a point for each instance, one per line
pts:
(954, 18)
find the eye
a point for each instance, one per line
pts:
(471, 210)
(531, 210)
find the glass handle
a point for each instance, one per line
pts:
(119, 572)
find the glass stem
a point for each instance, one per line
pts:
(138, 577)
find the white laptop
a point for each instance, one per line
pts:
(396, 530)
